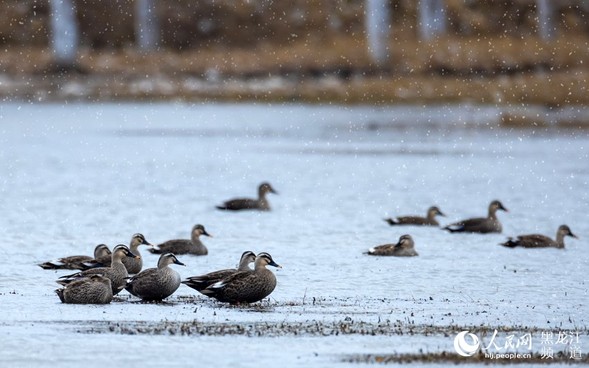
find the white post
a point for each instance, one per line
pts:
(377, 17)
(432, 18)
(545, 12)
(147, 29)
(64, 32)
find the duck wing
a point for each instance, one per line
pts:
(413, 220)
(140, 284)
(201, 282)
(176, 246)
(476, 225)
(230, 288)
(65, 263)
(382, 250)
(239, 204)
(535, 241)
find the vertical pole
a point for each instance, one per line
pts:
(432, 18)
(146, 25)
(64, 32)
(545, 12)
(377, 18)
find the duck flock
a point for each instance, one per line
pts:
(106, 273)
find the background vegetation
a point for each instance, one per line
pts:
(490, 52)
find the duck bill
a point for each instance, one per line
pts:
(573, 235)
(133, 255)
(207, 234)
(179, 263)
(275, 264)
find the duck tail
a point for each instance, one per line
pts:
(510, 243)
(155, 250)
(47, 266)
(52, 265)
(208, 292)
(66, 279)
(391, 221)
(197, 285)
(129, 288)
(453, 228)
(59, 293)
(83, 266)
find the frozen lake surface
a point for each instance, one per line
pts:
(75, 175)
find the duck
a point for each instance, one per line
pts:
(482, 225)
(103, 260)
(246, 286)
(540, 241)
(260, 204)
(429, 220)
(135, 264)
(405, 247)
(95, 289)
(156, 284)
(117, 272)
(101, 252)
(200, 283)
(185, 246)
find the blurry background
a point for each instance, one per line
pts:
(351, 51)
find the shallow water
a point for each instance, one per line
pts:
(75, 175)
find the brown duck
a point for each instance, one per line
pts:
(482, 225)
(540, 241)
(405, 247)
(200, 283)
(185, 246)
(429, 220)
(156, 283)
(117, 272)
(95, 289)
(101, 254)
(135, 264)
(246, 286)
(260, 204)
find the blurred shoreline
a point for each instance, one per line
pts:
(519, 74)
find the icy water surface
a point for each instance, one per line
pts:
(75, 175)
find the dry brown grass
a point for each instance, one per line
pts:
(500, 70)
